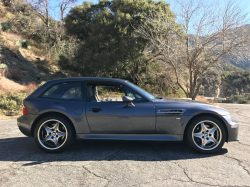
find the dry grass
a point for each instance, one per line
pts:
(14, 116)
(201, 99)
(15, 74)
(7, 86)
(11, 37)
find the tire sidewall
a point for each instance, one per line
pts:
(70, 136)
(189, 138)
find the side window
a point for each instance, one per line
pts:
(105, 93)
(67, 91)
(112, 93)
(134, 95)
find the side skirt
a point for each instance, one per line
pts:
(149, 137)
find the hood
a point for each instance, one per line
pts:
(191, 107)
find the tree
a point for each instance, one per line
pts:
(64, 6)
(108, 45)
(42, 9)
(212, 32)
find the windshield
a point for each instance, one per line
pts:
(141, 90)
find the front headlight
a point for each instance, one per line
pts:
(231, 117)
(230, 121)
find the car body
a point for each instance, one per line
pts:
(136, 116)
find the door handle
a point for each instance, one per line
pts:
(95, 109)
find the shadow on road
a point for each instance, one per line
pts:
(24, 149)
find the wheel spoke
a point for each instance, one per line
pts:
(198, 135)
(56, 142)
(47, 129)
(47, 138)
(212, 139)
(203, 142)
(56, 126)
(203, 127)
(61, 134)
(212, 130)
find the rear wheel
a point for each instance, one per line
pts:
(53, 134)
(206, 135)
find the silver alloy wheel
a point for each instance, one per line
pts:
(206, 135)
(52, 134)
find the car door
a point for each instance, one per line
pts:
(107, 113)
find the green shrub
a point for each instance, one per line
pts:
(6, 26)
(243, 100)
(247, 95)
(23, 44)
(219, 100)
(3, 69)
(18, 97)
(229, 99)
(237, 97)
(12, 101)
(8, 104)
(26, 44)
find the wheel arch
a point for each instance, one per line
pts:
(47, 114)
(210, 115)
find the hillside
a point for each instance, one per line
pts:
(25, 61)
(28, 64)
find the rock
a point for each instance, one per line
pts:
(9, 113)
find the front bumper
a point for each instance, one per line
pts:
(25, 124)
(233, 131)
(232, 128)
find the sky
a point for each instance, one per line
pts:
(243, 4)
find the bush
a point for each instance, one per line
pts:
(219, 100)
(243, 100)
(3, 69)
(12, 101)
(6, 26)
(8, 104)
(23, 44)
(15, 74)
(247, 95)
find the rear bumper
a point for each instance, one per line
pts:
(25, 122)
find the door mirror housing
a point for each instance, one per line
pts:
(128, 100)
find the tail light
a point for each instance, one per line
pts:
(25, 112)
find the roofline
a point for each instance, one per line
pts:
(88, 78)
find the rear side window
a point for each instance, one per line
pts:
(66, 90)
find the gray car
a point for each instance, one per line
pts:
(63, 110)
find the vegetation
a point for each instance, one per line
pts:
(107, 45)
(6, 26)
(12, 101)
(237, 83)
(181, 53)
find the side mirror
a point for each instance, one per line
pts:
(128, 100)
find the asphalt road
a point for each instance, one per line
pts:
(123, 163)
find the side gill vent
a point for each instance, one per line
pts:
(171, 111)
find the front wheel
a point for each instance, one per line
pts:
(53, 134)
(206, 135)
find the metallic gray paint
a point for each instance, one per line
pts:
(116, 120)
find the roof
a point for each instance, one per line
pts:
(89, 79)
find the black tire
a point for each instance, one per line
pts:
(49, 145)
(195, 142)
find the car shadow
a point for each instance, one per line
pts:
(24, 149)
